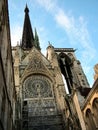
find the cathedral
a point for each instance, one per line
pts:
(42, 92)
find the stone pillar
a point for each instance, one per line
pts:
(76, 102)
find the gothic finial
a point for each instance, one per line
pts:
(26, 9)
(49, 43)
(37, 44)
(35, 31)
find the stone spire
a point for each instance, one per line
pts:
(27, 36)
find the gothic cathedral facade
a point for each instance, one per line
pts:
(40, 92)
(39, 81)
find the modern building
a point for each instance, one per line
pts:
(7, 85)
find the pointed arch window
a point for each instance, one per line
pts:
(95, 110)
(65, 65)
(90, 120)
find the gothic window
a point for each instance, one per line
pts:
(65, 63)
(41, 107)
(71, 56)
(80, 73)
(83, 82)
(90, 120)
(38, 91)
(95, 110)
(37, 86)
(96, 68)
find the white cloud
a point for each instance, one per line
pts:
(16, 34)
(76, 29)
(63, 20)
(49, 5)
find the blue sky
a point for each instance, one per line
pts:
(65, 23)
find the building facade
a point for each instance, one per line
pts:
(7, 86)
(40, 84)
(51, 92)
(96, 71)
(90, 107)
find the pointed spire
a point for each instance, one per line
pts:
(26, 9)
(27, 36)
(36, 41)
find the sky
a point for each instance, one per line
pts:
(63, 23)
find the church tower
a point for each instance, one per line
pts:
(39, 85)
(43, 101)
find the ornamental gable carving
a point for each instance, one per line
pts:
(36, 64)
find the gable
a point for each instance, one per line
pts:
(36, 63)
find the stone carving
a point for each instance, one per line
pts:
(16, 70)
(41, 107)
(36, 64)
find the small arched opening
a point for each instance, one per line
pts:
(90, 120)
(95, 110)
